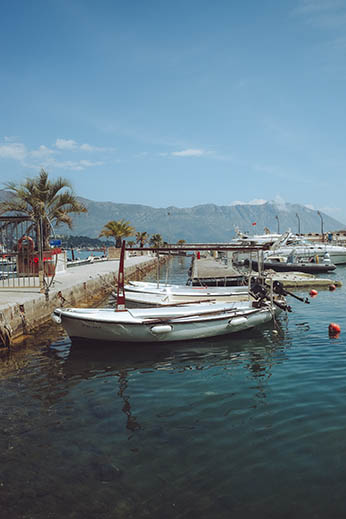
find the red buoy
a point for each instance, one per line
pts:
(334, 330)
(313, 293)
(332, 287)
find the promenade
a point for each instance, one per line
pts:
(24, 309)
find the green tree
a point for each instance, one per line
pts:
(117, 230)
(156, 240)
(181, 242)
(142, 238)
(46, 202)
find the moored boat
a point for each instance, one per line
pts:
(284, 266)
(163, 324)
(306, 251)
(170, 323)
(167, 294)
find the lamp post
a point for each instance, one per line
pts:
(277, 218)
(297, 215)
(319, 214)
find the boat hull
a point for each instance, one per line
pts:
(119, 327)
(308, 268)
(337, 254)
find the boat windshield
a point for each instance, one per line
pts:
(298, 241)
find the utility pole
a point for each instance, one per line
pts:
(277, 218)
(322, 233)
(297, 215)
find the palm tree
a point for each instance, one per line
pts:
(46, 202)
(156, 240)
(118, 230)
(142, 238)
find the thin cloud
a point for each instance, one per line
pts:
(13, 150)
(8, 138)
(322, 13)
(66, 144)
(189, 153)
(256, 201)
(318, 6)
(71, 145)
(280, 203)
(89, 147)
(78, 165)
(45, 157)
(90, 163)
(42, 152)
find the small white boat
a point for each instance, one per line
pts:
(144, 292)
(163, 324)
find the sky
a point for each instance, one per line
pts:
(177, 103)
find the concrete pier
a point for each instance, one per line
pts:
(209, 268)
(23, 310)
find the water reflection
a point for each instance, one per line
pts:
(249, 425)
(85, 360)
(85, 413)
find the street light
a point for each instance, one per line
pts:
(297, 215)
(319, 214)
(277, 218)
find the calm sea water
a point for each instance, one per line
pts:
(253, 425)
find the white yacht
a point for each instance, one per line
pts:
(302, 249)
(267, 238)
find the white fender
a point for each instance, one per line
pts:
(237, 321)
(161, 328)
(56, 318)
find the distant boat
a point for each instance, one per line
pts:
(255, 239)
(305, 250)
(286, 243)
(284, 266)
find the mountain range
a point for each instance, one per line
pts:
(201, 223)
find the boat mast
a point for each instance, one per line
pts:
(120, 306)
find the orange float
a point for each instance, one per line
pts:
(334, 329)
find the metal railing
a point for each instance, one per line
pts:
(23, 263)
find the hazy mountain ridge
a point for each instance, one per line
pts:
(201, 223)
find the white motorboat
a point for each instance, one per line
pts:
(167, 294)
(255, 239)
(163, 324)
(304, 250)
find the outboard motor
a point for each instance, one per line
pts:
(326, 259)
